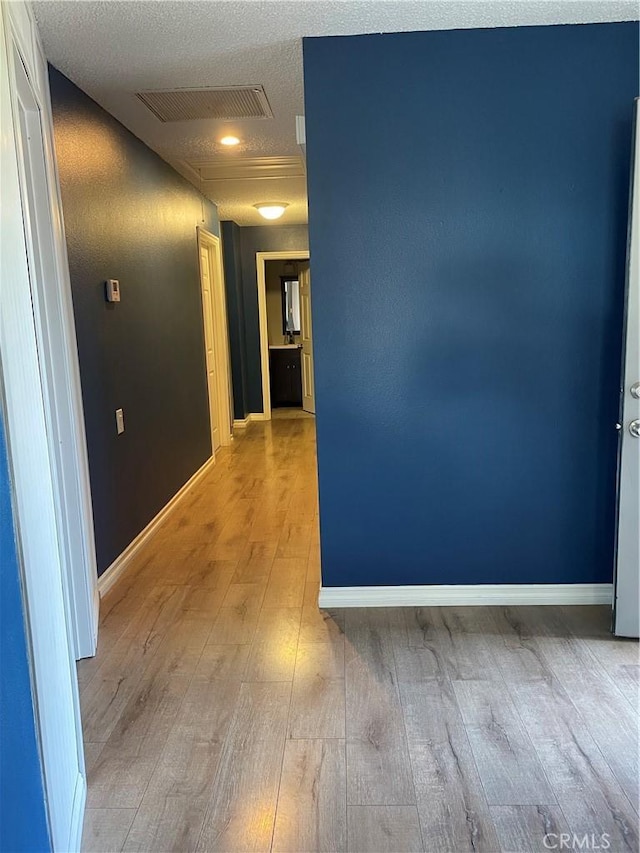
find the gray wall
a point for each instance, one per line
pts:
(128, 215)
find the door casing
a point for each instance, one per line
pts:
(261, 274)
(43, 414)
(55, 330)
(221, 410)
(306, 335)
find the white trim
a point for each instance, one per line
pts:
(56, 335)
(301, 137)
(261, 259)
(35, 413)
(301, 130)
(215, 169)
(121, 563)
(85, 601)
(249, 419)
(77, 815)
(221, 334)
(465, 594)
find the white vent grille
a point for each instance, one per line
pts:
(229, 102)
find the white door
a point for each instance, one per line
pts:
(306, 333)
(55, 329)
(208, 307)
(24, 252)
(627, 592)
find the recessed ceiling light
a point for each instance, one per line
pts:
(229, 140)
(271, 209)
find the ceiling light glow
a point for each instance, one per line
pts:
(229, 140)
(271, 209)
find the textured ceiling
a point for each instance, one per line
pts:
(113, 49)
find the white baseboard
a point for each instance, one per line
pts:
(111, 575)
(77, 813)
(251, 418)
(465, 594)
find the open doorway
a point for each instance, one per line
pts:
(286, 331)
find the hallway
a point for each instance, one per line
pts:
(217, 711)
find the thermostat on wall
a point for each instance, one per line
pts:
(113, 290)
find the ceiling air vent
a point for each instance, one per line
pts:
(223, 102)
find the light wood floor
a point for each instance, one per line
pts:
(225, 712)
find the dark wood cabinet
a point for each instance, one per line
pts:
(285, 376)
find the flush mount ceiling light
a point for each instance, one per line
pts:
(271, 209)
(229, 140)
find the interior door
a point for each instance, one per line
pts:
(53, 314)
(627, 592)
(306, 334)
(209, 345)
(38, 434)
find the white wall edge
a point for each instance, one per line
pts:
(77, 815)
(465, 594)
(119, 565)
(29, 342)
(251, 418)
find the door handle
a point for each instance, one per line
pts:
(634, 429)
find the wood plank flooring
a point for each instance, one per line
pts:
(225, 712)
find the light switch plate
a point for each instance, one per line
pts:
(120, 421)
(113, 290)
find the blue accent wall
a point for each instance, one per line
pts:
(130, 216)
(240, 247)
(468, 198)
(23, 822)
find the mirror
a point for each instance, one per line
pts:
(290, 305)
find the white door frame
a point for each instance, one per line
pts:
(261, 270)
(42, 401)
(306, 339)
(55, 331)
(221, 335)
